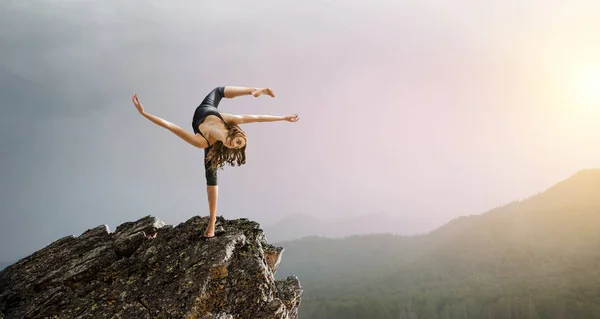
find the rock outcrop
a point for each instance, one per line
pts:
(132, 274)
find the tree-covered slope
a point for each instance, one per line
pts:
(536, 258)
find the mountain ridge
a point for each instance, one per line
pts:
(302, 225)
(532, 256)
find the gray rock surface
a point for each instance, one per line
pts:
(129, 274)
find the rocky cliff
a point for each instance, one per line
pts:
(146, 269)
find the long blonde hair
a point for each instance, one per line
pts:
(219, 154)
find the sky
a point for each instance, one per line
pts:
(424, 110)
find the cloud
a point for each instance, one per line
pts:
(437, 81)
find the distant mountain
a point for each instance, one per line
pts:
(294, 227)
(304, 225)
(532, 259)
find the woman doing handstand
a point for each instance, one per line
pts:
(219, 135)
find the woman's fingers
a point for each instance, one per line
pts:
(137, 103)
(293, 118)
(270, 92)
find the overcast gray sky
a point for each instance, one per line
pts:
(422, 109)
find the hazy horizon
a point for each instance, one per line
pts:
(425, 111)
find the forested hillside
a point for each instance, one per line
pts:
(537, 258)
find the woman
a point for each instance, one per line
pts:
(219, 135)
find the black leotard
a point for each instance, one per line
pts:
(208, 107)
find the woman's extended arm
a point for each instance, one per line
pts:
(246, 118)
(231, 92)
(194, 140)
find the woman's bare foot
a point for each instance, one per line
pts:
(266, 91)
(209, 232)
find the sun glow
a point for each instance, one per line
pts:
(586, 86)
